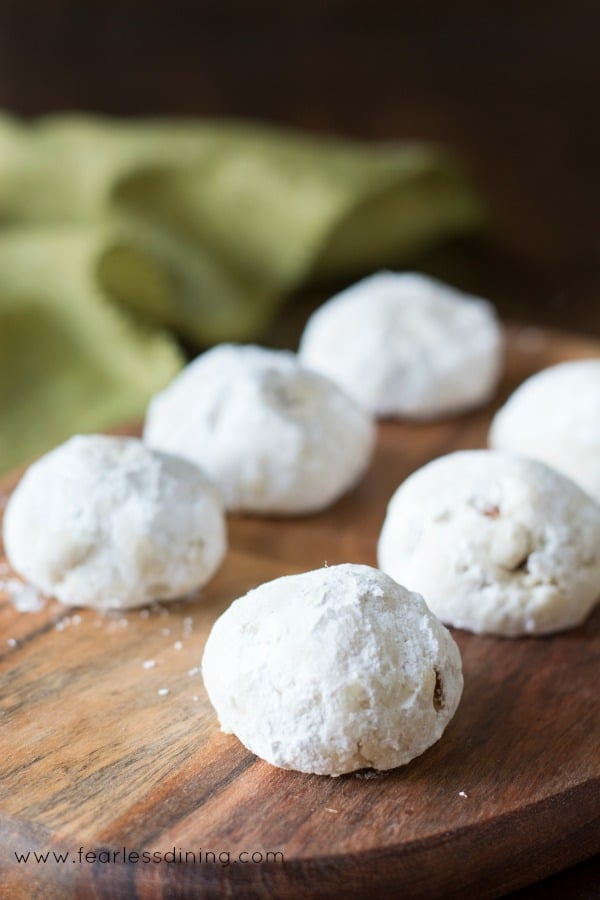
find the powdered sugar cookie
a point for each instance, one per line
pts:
(496, 543)
(274, 437)
(555, 416)
(333, 670)
(407, 345)
(107, 522)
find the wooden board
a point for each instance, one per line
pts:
(93, 756)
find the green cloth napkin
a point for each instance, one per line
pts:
(117, 236)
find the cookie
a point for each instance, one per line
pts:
(333, 670)
(405, 345)
(274, 437)
(109, 523)
(555, 416)
(498, 544)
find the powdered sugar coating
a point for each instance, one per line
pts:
(274, 437)
(107, 522)
(406, 345)
(496, 543)
(333, 670)
(555, 416)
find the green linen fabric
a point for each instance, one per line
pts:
(118, 236)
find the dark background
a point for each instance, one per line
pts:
(513, 88)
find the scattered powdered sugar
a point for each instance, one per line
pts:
(462, 794)
(27, 598)
(24, 597)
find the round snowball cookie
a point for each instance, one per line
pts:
(497, 544)
(107, 522)
(333, 670)
(406, 345)
(555, 416)
(274, 437)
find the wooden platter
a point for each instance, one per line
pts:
(96, 757)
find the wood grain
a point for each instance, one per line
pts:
(93, 757)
